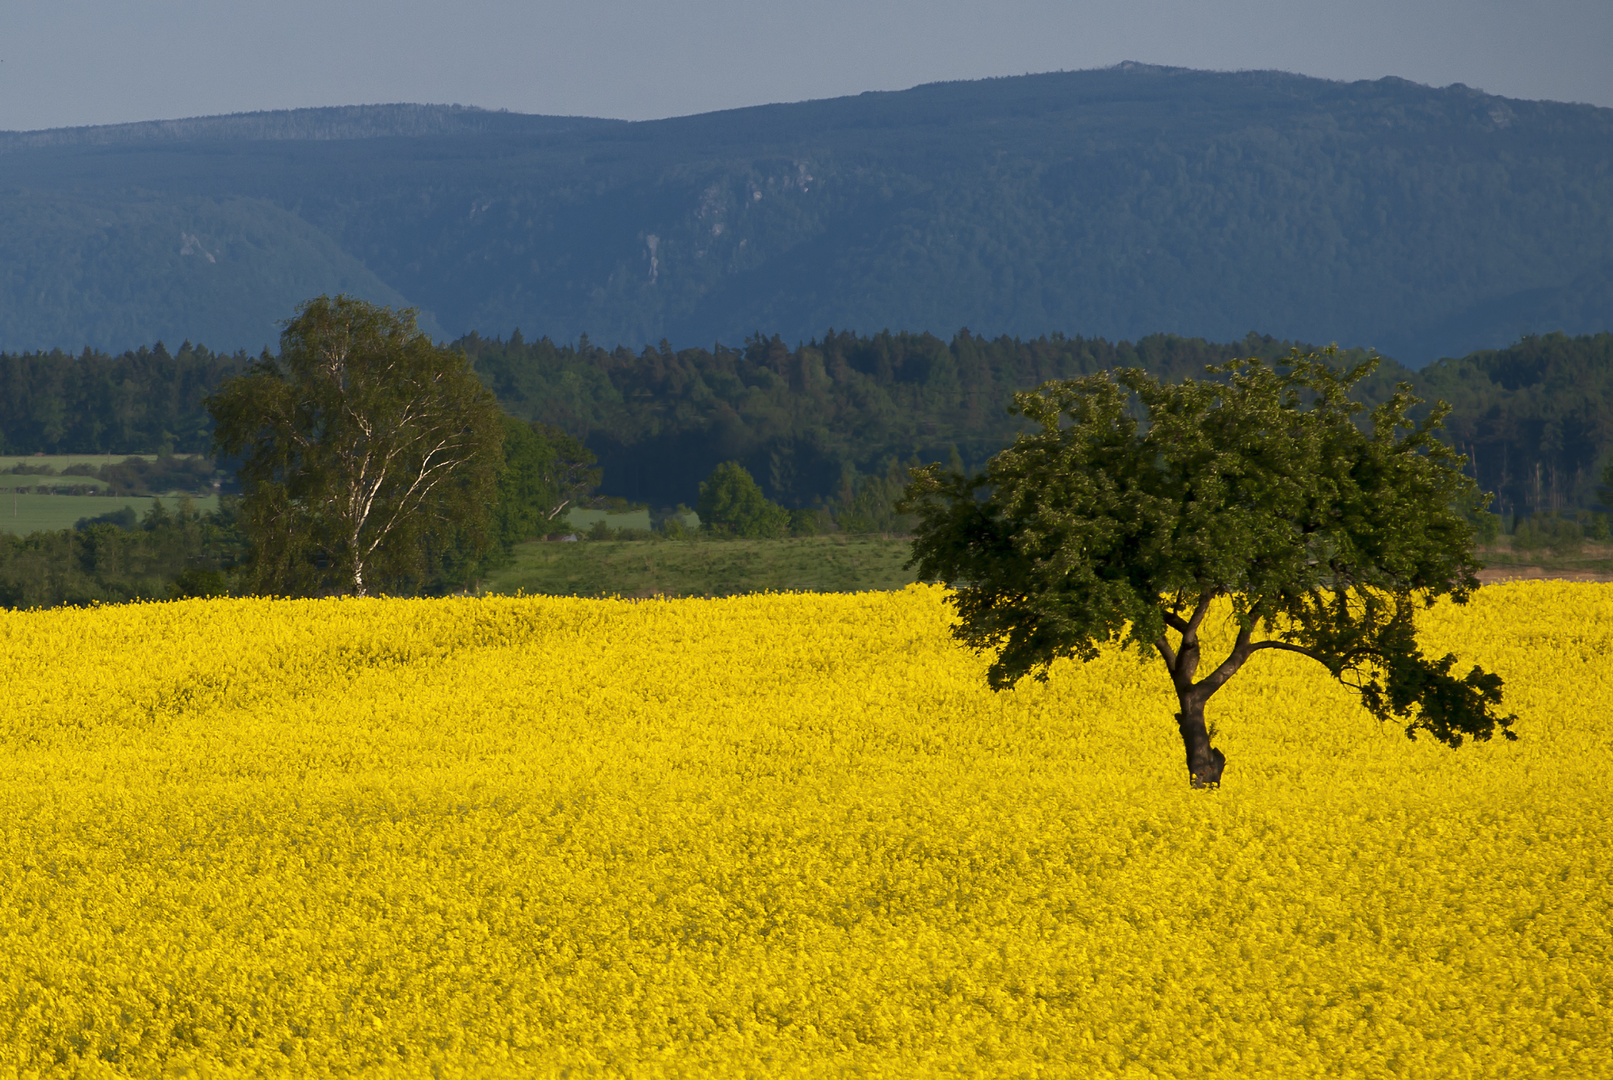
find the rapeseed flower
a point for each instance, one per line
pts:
(780, 835)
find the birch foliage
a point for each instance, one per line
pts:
(368, 454)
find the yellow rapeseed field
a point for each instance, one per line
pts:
(778, 836)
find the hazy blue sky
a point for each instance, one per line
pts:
(65, 62)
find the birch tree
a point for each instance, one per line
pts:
(368, 454)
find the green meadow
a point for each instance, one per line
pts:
(703, 567)
(20, 513)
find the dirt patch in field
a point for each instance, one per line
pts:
(1497, 574)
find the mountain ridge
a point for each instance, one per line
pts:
(1117, 203)
(324, 123)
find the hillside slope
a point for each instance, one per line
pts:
(1113, 203)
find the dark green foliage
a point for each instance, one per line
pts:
(1534, 419)
(1135, 504)
(138, 476)
(167, 554)
(1558, 534)
(732, 505)
(545, 472)
(811, 522)
(871, 504)
(140, 402)
(368, 455)
(1119, 203)
(192, 474)
(803, 420)
(123, 519)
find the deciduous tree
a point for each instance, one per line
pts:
(1136, 506)
(368, 454)
(545, 472)
(731, 504)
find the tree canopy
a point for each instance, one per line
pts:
(116, 557)
(1135, 506)
(1535, 419)
(368, 454)
(731, 504)
(545, 472)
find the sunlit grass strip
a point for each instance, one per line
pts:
(779, 835)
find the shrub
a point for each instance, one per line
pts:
(731, 504)
(1558, 535)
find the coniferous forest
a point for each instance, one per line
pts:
(807, 421)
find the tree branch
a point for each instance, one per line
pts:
(1167, 652)
(1228, 667)
(1200, 611)
(1287, 647)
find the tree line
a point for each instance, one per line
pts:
(375, 461)
(818, 422)
(1124, 513)
(765, 440)
(169, 553)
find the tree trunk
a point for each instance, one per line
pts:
(1204, 762)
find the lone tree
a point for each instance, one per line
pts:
(368, 454)
(1138, 504)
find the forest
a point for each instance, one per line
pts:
(811, 421)
(826, 428)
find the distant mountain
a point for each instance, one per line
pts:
(302, 125)
(1116, 203)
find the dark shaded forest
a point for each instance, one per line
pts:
(1535, 418)
(812, 421)
(142, 402)
(809, 421)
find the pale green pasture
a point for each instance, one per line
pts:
(41, 513)
(583, 520)
(21, 481)
(62, 461)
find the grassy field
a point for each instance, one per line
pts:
(62, 461)
(10, 482)
(832, 564)
(1593, 562)
(704, 567)
(40, 513)
(583, 520)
